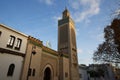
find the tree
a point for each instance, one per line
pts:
(107, 51)
(115, 25)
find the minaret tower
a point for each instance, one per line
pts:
(67, 43)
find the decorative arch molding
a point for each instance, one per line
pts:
(51, 71)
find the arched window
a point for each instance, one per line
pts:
(11, 70)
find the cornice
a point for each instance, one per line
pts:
(35, 41)
(51, 51)
(3, 51)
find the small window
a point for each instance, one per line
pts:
(29, 72)
(33, 74)
(66, 74)
(0, 33)
(18, 44)
(11, 41)
(11, 70)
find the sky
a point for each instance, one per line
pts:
(39, 18)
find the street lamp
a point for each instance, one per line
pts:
(29, 70)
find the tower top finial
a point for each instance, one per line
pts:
(66, 13)
(66, 9)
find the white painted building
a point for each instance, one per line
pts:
(12, 51)
(83, 72)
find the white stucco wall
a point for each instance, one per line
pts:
(5, 61)
(6, 58)
(83, 72)
(6, 32)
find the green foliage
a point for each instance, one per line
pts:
(97, 73)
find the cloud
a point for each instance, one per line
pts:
(79, 50)
(89, 8)
(48, 2)
(97, 34)
(75, 4)
(117, 13)
(56, 18)
(85, 61)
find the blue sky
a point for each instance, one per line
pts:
(39, 18)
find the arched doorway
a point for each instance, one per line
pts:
(47, 74)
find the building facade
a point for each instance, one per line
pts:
(67, 43)
(41, 62)
(24, 57)
(12, 52)
(83, 72)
